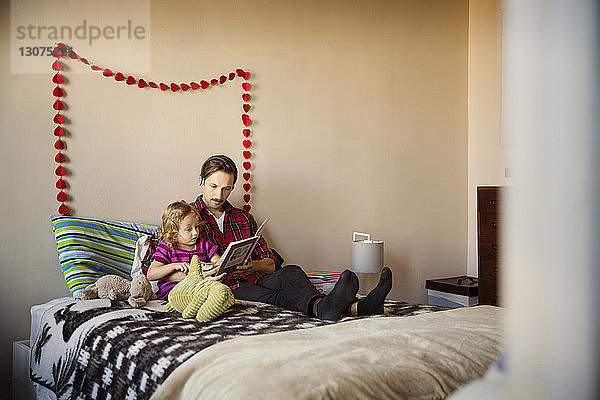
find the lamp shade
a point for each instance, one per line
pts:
(367, 255)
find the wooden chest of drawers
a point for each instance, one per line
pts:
(489, 205)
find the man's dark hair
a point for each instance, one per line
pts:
(219, 162)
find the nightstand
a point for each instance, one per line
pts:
(459, 291)
(22, 387)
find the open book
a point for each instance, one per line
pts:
(238, 252)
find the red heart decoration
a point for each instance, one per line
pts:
(247, 144)
(231, 76)
(106, 72)
(239, 72)
(59, 145)
(246, 107)
(57, 78)
(63, 210)
(57, 66)
(185, 87)
(119, 77)
(58, 131)
(163, 87)
(246, 120)
(59, 119)
(246, 132)
(204, 84)
(246, 75)
(246, 86)
(246, 176)
(60, 184)
(214, 82)
(246, 165)
(174, 87)
(222, 79)
(59, 158)
(73, 55)
(57, 92)
(61, 46)
(56, 52)
(152, 85)
(142, 84)
(246, 154)
(246, 97)
(96, 68)
(61, 196)
(85, 61)
(60, 171)
(246, 187)
(58, 105)
(194, 85)
(247, 207)
(246, 197)
(130, 80)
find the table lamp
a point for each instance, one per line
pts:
(367, 255)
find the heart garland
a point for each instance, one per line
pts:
(61, 50)
(59, 131)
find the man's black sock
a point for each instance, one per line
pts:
(373, 303)
(334, 306)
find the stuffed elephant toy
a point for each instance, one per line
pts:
(113, 287)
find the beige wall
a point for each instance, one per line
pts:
(361, 124)
(486, 143)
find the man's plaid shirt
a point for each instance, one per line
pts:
(238, 225)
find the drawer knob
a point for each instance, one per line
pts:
(495, 268)
(495, 246)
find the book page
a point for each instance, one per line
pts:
(236, 254)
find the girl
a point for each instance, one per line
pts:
(179, 241)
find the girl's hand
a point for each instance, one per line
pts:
(182, 266)
(209, 270)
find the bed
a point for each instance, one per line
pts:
(98, 349)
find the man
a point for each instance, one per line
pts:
(258, 280)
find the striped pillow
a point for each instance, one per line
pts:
(89, 248)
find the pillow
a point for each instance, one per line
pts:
(141, 247)
(89, 248)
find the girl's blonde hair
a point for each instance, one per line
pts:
(171, 220)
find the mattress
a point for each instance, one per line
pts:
(84, 347)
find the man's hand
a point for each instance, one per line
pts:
(245, 268)
(264, 265)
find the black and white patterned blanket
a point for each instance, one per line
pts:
(98, 349)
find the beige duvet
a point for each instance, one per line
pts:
(420, 357)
